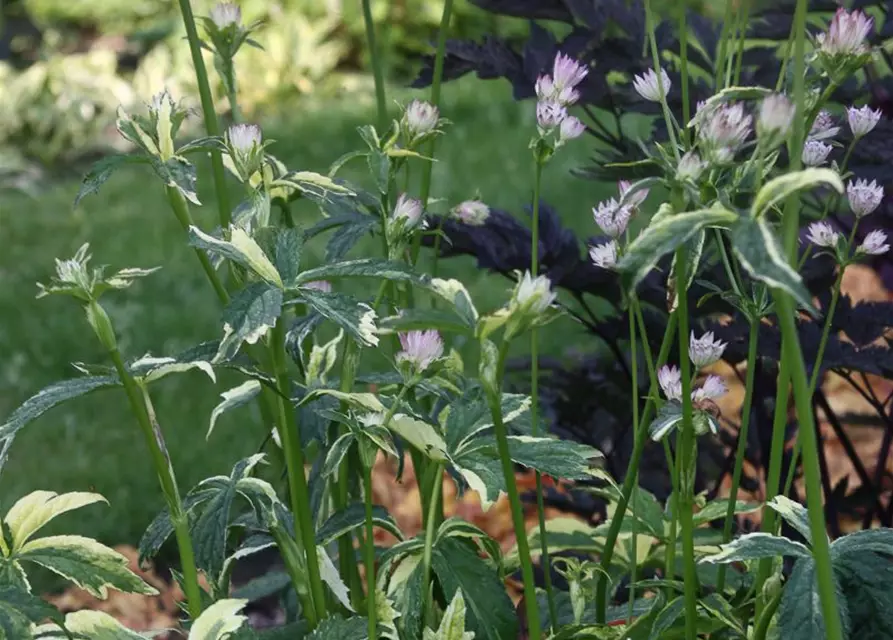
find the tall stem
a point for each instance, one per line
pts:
(369, 549)
(655, 59)
(535, 401)
(683, 54)
(294, 462)
(508, 472)
(140, 404)
(375, 58)
(210, 116)
(430, 532)
(723, 46)
(684, 457)
(229, 68)
(634, 375)
(629, 481)
(742, 443)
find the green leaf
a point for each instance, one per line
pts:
(361, 401)
(314, 185)
(12, 575)
(249, 315)
(89, 564)
(778, 189)
(178, 173)
(862, 542)
(241, 249)
(219, 621)
(335, 455)
(95, 625)
(666, 618)
(454, 292)
(483, 474)
(357, 318)
(18, 609)
(794, 513)
(553, 457)
(716, 509)
(754, 546)
(161, 528)
(379, 167)
(348, 235)
(491, 614)
(717, 607)
(417, 319)
(421, 435)
(665, 236)
(102, 171)
(800, 611)
(459, 528)
(756, 246)
(729, 94)
(452, 625)
(337, 628)
(336, 166)
(206, 143)
(151, 369)
(36, 509)
(364, 268)
(232, 398)
(287, 256)
(353, 517)
(866, 580)
(470, 416)
(263, 586)
(253, 212)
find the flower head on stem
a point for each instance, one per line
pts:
(420, 119)
(846, 34)
(650, 88)
(226, 14)
(612, 218)
(713, 388)
(420, 349)
(775, 119)
(874, 244)
(815, 153)
(864, 196)
(604, 255)
(823, 127)
(822, 234)
(635, 200)
(670, 380)
(705, 350)
(474, 213)
(863, 120)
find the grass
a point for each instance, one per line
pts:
(92, 444)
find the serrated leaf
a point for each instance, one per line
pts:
(754, 546)
(95, 625)
(152, 369)
(232, 398)
(459, 528)
(19, 609)
(778, 189)
(253, 213)
(483, 474)
(357, 318)
(337, 628)
(241, 249)
(421, 435)
(161, 528)
(92, 566)
(716, 509)
(454, 292)
(860, 542)
(800, 611)
(553, 457)
(178, 173)
(13, 575)
(757, 248)
(362, 401)
(336, 453)
(419, 319)
(330, 576)
(490, 611)
(380, 168)
(218, 621)
(364, 268)
(666, 618)
(660, 238)
(452, 625)
(206, 143)
(353, 517)
(794, 513)
(263, 586)
(249, 315)
(102, 171)
(348, 235)
(287, 256)
(36, 509)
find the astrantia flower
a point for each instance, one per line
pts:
(471, 212)
(636, 199)
(570, 128)
(725, 130)
(646, 85)
(823, 127)
(846, 34)
(604, 255)
(776, 116)
(409, 210)
(420, 118)
(670, 380)
(705, 350)
(225, 14)
(567, 73)
(533, 295)
(319, 285)
(712, 389)
(862, 121)
(875, 244)
(822, 234)
(547, 91)
(244, 138)
(864, 196)
(690, 167)
(549, 114)
(420, 348)
(612, 218)
(815, 153)
(545, 88)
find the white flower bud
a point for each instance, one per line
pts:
(420, 118)
(875, 244)
(776, 116)
(712, 389)
(670, 380)
(611, 218)
(604, 255)
(533, 295)
(726, 128)
(647, 86)
(244, 138)
(224, 14)
(823, 127)
(822, 234)
(815, 153)
(705, 350)
(862, 121)
(864, 196)
(690, 167)
(570, 128)
(409, 210)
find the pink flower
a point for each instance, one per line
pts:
(864, 196)
(670, 380)
(604, 255)
(570, 128)
(648, 86)
(875, 244)
(636, 199)
(822, 234)
(420, 118)
(846, 34)
(862, 121)
(567, 72)
(705, 350)
(815, 153)
(612, 218)
(712, 389)
(409, 210)
(549, 114)
(420, 348)
(472, 212)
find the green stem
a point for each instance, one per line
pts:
(765, 619)
(210, 116)
(435, 100)
(534, 402)
(683, 54)
(723, 45)
(141, 405)
(670, 559)
(369, 549)
(430, 530)
(742, 444)
(294, 566)
(684, 457)
(294, 460)
(655, 58)
(629, 481)
(508, 472)
(375, 57)
(231, 92)
(745, 20)
(634, 374)
(181, 211)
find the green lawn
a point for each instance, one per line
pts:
(93, 443)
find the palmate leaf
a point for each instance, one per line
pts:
(19, 609)
(36, 509)
(756, 246)
(364, 268)
(716, 509)
(550, 456)
(85, 562)
(249, 315)
(178, 173)
(755, 546)
(866, 579)
(354, 317)
(421, 435)
(102, 171)
(800, 611)
(353, 517)
(287, 254)
(92, 625)
(482, 472)
(490, 611)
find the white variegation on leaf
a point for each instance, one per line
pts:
(232, 398)
(421, 435)
(452, 625)
(794, 513)
(362, 401)
(778, 189)
(150, 368)
(241, 249)
(95, 625)
(454, 292)
(329, 574)
(321, 360)
(36, 509)
(755, 546)
(219, 621)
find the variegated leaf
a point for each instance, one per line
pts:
(241, 249)
(232, 398)
(248, 316)
(95, 625)
(37, 508)
(219, 621)
(452, 625)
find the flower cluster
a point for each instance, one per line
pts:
(244, 142)
(723, 130)
(226, 33)
(670, 380)
(864, 198)
(555, 93)
(843, 48)
(612, 217)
